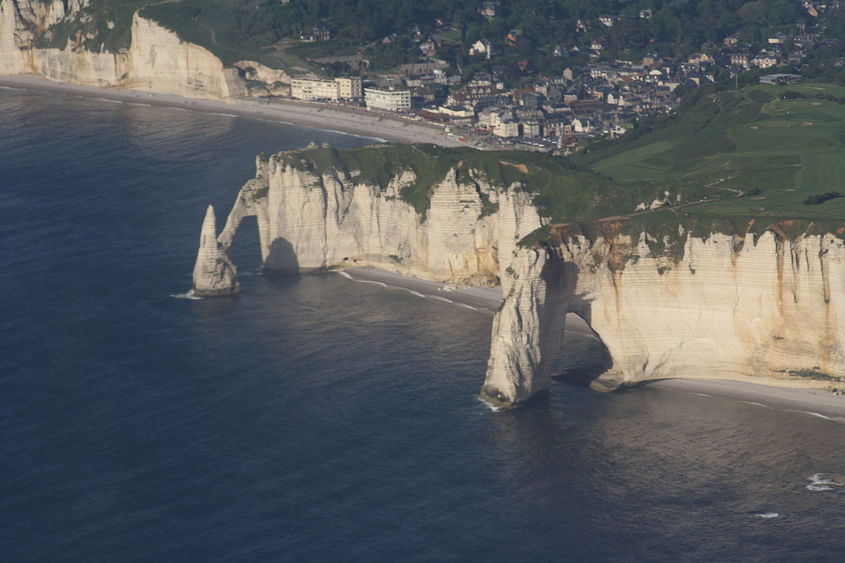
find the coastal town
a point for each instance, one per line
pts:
(549, 112)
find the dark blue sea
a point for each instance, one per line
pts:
(315, 418)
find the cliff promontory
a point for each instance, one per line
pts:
(688, 302)
(67, 42)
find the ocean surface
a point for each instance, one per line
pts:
(315, 418)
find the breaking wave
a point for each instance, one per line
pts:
(187, 295)
(820, 482)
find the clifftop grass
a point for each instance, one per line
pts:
(757, 153)
(563, 191)
(105, 25)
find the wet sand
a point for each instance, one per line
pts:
(798, 397)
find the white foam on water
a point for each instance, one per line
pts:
(817, 414)
(139, 104)
(224, 114)
(819, 488)
(412, 292)
(345, 275)
(109, 100)
(10, 88)
(465, 306)
(187, 295)
(752, 403)
(442, 299)
(491, 406)
(373, 282)
(767, 515)
(703, 395)
(818, 483)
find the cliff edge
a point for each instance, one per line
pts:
(755, 304)
(154, 58)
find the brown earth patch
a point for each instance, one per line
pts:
(521, 167)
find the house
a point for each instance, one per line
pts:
(417, 68)
(488, 10)
(430, 46)
(512, 38)
(481, 47)
(645, 14)
(764, 59)
(740, 60)
(507, 128)
(531, 128)
(607, 21)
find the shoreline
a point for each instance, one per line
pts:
(807, 397)
(792, 397)
(325, 117)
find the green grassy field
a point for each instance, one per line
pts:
(757, 154)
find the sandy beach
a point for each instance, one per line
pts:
(379, 126)
(815, 402)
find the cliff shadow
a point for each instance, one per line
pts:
(281, 260)
(582, 356)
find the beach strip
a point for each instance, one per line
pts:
(764, 393)
(329, 117)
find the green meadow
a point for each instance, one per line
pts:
(759, 153)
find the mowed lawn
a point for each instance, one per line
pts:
(774, 150)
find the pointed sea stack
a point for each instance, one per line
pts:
(214, 273)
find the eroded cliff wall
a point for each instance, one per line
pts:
(754, 305)
(731, 306)
(769, 307)
(157, 60)
(312, 221)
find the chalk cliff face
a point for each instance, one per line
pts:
(730, 307)
(720, 306)
(528, 328)
(313, 221)
(214, 273)
(157, 60)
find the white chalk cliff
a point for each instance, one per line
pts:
(310, 221)
(731, 306)
(765, 306)
(156, 59)
(214, 273)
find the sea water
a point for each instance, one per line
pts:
(316, 418)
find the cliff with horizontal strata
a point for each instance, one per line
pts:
(760, 304)
(155, 60)
(309, 220)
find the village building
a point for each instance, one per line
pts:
(389, 100)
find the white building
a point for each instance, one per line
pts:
(349, 88)
(506, 129)
(313, 89)
(481, 47)
(344, 88)
(390, 100)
